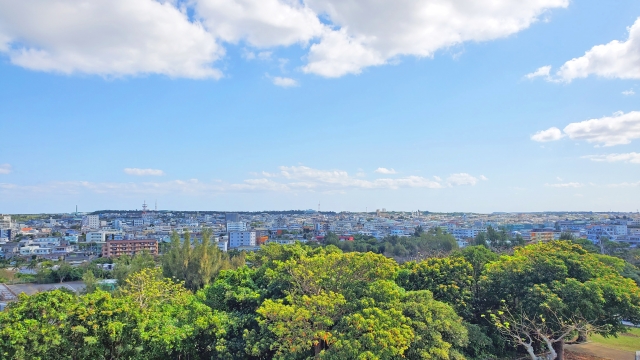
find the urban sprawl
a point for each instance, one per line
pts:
(78, 238)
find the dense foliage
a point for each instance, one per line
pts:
(302, 302)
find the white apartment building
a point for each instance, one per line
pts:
(5, 222)
(612, 232)
(91, 221)
(95, 236)
(242, 238)
(28, 250)
(466, 233)
(236, 226)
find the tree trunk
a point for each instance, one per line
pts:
(317, 348)
(582, 337)
(558, 346)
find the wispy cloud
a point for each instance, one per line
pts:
(624, 184)
(463, 179)
(540, 72)
(382, 170)
(565, 185)
(5, 169)
(628, 92)
(632, 157)
(143, 172)
(287, 179)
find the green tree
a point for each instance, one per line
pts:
(565, 235)
(90, 282)
(125, 265)
(344, 305)
(197, 263)
(557, 288)
(587, 245)
(481, 239)
(450, 280)
(64, 271)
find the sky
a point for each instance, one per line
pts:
(342, 105)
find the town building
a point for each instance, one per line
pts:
(242, 238)
(116, 248)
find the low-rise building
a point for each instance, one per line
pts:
(116, 248)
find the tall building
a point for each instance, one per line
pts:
(231, 217)
(236, 226)
(91, 221)
(5, 222)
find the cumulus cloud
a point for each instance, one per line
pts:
(618, 129)
(382, 170)
(613, 130)
(617, 59)
(107, 37)
(551, 134)
(262, 23)
(373, 32)
(632, 157)
(184, 38)
(565, 185)
(143, 172)
(5, 169)
(628, 92)
(541, 72)
(284, 81)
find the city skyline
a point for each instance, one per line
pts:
(521, 107)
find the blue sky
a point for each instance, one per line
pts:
(286, 111)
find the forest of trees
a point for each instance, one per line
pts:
(303, 302)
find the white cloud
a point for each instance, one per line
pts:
(288, 179)
(624, 184)
(613, 130)
(617, 59)
(462, 179)
(129, 37)
(382, 170)
(262, 23)
(618, 129)
(566, 185)
(551, 134)
(541, 72)
(628, 92)
(5, 169)
(107, 37)
(143, 172)
(632, 157)
(484, 178)
(284, 81)
(372, 32)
